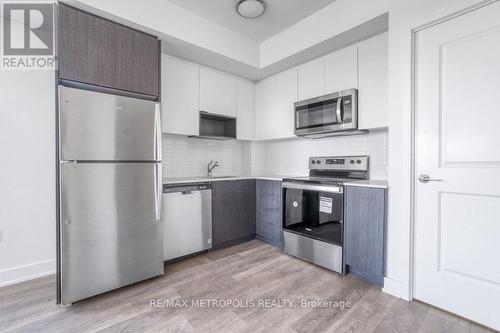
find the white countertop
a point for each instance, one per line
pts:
(368, 183)
(182, 180)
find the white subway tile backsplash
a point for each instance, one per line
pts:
(188, 157)
(291, 156)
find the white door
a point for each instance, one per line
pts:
(457, 227)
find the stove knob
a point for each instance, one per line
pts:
(358, 161)
(318, 161)
(313, 162)
(352, 161)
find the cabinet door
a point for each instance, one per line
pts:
(217, 93)
(180, 96)
(311, 79)
(85, 47)
(266, 109)
(373, 100)
(97, 51)
(233, 211)
(364, 233)
(136, 61)
(269, 211)
(286, 96)
(341, 70)
(245, 208)
(245, 109)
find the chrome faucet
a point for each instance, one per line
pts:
(212, 166)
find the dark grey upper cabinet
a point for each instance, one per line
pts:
(97, 51)
(76, 45)
(233, 211)
(269, 211)
(364, 232)
(136, 63)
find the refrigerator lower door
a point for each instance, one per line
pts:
(110, 227)
(103, 127)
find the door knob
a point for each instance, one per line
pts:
(426, 178)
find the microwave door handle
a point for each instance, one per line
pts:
(339, 110)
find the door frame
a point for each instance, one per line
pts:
(413, 157)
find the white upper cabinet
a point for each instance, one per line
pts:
(217, 93)
(373, 99)
(341, 70)
(311, 79)
(245, 110)
(286, 96)
(180, 96)
(265, 116)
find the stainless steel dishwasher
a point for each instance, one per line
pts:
(187, 217)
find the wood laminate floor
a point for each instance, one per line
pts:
(269, 291)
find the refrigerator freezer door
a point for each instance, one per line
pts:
(110, 232)
(102, 127)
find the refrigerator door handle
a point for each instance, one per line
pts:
(157, 132)
(158, 190)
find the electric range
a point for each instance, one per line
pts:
(313, 209)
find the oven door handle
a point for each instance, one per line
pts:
(317, 188)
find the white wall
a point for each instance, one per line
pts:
(291, 156)
(27, 175)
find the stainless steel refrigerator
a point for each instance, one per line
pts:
(110, 189)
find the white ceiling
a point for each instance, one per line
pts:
(279, 15)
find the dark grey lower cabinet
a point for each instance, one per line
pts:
(269, 211)
(365, 216)
(233, 211)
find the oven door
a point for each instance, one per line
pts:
(315, 211)
(329, 113)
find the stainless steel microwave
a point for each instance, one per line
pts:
(328, 114)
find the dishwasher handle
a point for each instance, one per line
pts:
(186, 189)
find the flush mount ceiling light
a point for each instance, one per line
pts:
(250, 8)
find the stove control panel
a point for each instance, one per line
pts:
(339, 163)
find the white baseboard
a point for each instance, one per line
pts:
(27, 272)
(396, 288)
